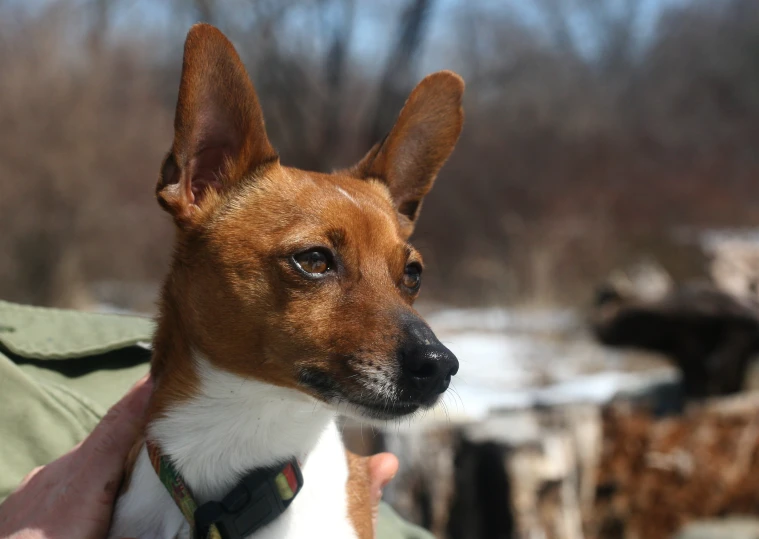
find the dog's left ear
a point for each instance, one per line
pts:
(421, 140)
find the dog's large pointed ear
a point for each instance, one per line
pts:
(423, 137)
(219, 134)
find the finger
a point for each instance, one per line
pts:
(110, 442)
(382, 468)
(28, 477)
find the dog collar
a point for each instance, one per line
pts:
(258, 499)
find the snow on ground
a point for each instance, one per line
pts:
(509, 359)
(501, 319)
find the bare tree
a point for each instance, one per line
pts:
(398, 77)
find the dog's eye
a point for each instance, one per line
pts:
(315, 262)
(412, 276)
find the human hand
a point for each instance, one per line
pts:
(73, 497)
(382, 468)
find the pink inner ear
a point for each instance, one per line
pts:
(207, 170)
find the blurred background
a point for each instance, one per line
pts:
(591, 244)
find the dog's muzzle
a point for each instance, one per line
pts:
(426, 365)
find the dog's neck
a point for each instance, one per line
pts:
(230, 425)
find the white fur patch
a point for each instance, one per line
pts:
(232, 426)
(347, 195)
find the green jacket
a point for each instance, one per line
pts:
(61, 370)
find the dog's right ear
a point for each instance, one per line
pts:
(219, 133)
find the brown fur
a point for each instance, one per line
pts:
(233, 292)
(359, 495)
(130, 462)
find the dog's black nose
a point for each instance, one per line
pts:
(427, 365)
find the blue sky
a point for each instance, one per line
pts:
(371, 36)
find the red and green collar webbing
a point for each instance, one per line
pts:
(258, 499)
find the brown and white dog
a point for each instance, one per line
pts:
(289, 299)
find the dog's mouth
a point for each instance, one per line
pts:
(386, 410)
(385, 405)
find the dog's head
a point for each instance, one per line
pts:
(302, 279)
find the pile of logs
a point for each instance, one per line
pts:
(579, 471)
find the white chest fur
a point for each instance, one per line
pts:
(232, 426)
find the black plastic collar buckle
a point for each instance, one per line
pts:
(251, 505)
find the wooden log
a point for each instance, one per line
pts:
(514, 474)
(710, 335)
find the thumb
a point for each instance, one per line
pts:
(382, 468)
(110, 442)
